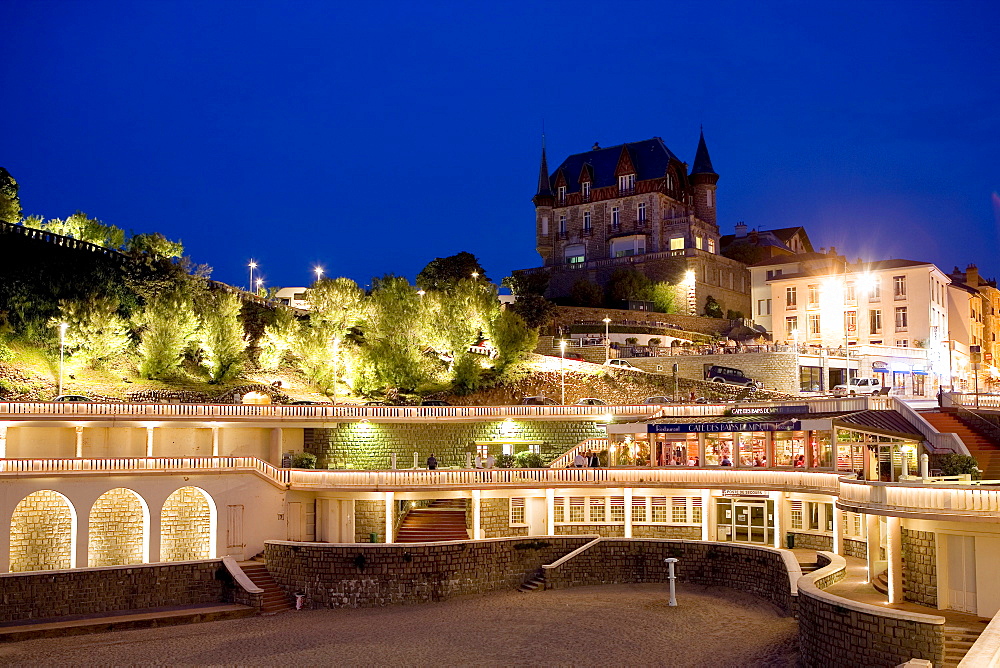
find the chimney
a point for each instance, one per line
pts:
(596, 147)
(741, 230)
(833, 250)
(972, 275)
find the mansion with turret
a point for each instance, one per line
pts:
(636, 205)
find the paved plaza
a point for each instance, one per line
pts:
(610, 625)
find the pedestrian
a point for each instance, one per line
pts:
(432, 462)
(940, 396)
(595, 461)
(490, 461)
(478, 461)
(579, 460)
(726, 461)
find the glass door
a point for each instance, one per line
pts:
(752, 522)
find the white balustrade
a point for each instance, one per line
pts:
(918, 498)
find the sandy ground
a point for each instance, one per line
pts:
(614, 625)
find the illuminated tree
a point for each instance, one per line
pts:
(10, 204)
(154, 244)
(220, 335)
(444, 272)
(168, 324)
(95, 331)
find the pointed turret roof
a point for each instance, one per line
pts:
(543, 174)
(702, 162)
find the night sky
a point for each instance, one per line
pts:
(370, 138)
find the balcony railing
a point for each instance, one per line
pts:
(144, 465)
(918, 498)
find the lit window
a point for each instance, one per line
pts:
(677, 243)
(597, 509)
(517, 511)
(618, 509)
(711, 246)
(796, 514)
(851, 321)
(638, 509)
(658, 508)
(678, 511)
(790, 297)
(813, 295)
(875, 292)
(900, 318)
(791, 326)
(698, 243)
(559, 509)
(577, 509)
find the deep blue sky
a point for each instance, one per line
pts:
(372, 137)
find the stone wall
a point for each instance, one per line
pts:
(91, 591)
(567, 315)
(369, 445)
(811, 541)
(116, 529)
(757, 570)
(41, 533)
(494, 519)
(369, 518)
(836, 632)
(638, 531)
(778, 371)
(855, 548)
(919, 567)
(185, 522)
(363, 576)
(606, 530)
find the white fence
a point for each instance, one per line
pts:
(144, 464)
(919, 498)
(940, 441)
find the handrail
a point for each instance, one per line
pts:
(919, 498)
(566, 557)
(940, 441)
(563, 460)
(239, 576)
(985, 652)
(144, 464)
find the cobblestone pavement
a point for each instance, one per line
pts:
(610, 625)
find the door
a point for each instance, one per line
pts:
(294, 520)
(535, 512)
(962, 573)
(234, 530)
(752, 522)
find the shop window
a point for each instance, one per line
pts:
(638, 509)
(517, 511)
(618, 509)
(576, 509)
(796, 514)
(598, 510)
(810, 378)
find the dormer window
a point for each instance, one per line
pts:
(626, 183)
(561, 193)
(670, 181)
(585, 190)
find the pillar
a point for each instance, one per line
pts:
(780, 502)
(274, 452)
(769, 448)
(155, 532)
(79, 441)
(838, 530)
(628, 511)
(706, 514)
(477, 527)
(810, 435)
(3, 447)
(701, 449)
(81, 541)
(215, 440)
(737, 442)
(149, 441)
(874, 544)
(550, 511)
(390, 516)
(894, 554)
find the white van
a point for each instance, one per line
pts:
(871, 386)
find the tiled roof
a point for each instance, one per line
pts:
(650, 158)
(792, 259)
(889, 264)
(886, 421)
(702, 162)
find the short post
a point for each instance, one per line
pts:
(904, 461)
(670, 576)
(416, 460)
(393, 457)
(468, 460)
(925, 466)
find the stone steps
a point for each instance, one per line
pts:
(536, 583)
(444, 520)
(957, 643)
(275, 599)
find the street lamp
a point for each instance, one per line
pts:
(319, 272)
(62, 348)
(607, 341)
(260, 284)
(562, 369)
(252, 265)
(475, 275)
(421, 293)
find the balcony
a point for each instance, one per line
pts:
(917, 499)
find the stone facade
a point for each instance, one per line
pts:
(778, 371)
(638, 531)
(185, 526)
(920, 567)
(855, 548)
(116, 529)
(494, 519)
(41, 533)
(759, 571)
(566, 316)
(369, 518)
(369, 445)
(364, 576)
(91, 591)
(811, 541)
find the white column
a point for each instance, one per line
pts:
(706, 514)
(874, 546)
(628, 512)
(769, 448)
(894, 554)
(477, 528)
(779, 508)
(155, 530)
(701, 449)
(3, 444)
(79, 442)
(390, 516)
(149, 441)
(838, 530)
(81, 545)
(215, 441)
(550, 511)
(275, 446)
(809, 450)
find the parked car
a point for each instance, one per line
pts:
(434, 402)
(539, 401)
(870, 386)
(574, 356)
(725, 374)
(375, 403)
(590, 401)
(62, 398)
(621, 364)
(657, 401)
(304, 402)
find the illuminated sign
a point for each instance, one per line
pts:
(767, 410)
(743, 492)
(698, 427)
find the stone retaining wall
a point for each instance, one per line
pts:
(836, 632)
(855, 548)
(811, 541)
(778, 371)
(364, 576)
(760, 571)
(369, 518)
(920, 566)
(494, 519)
(96, 590)
(638, 531)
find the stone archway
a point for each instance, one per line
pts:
(119, 529)
(187, 526)
(42, 533)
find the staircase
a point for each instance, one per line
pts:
(536, 583)
(567, 458)
(275, 600)
(957, 642)
(444, 519)
(984, 449)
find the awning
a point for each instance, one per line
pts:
(880, 370)
(919, 372)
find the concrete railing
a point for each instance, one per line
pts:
(939, 441)
(919, 499)
(985, 652)
(567, 458)
(330, 412)
(990, 402)
(21, 467)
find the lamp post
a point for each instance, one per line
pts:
(421, 293)
(62, 348)
(475, 275)
(562, 369)
(319, 272)
(607, 340)
(260, 284)
(252, 265)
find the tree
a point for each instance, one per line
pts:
(221, 335)
(664, 297)
(522, 283)
(168, 325)
(396, 330)
(10, 204)
(154, 244)
(279, 338)
(628, 284)
(91, 230)
(534, 309)
(95, 331)
(338, 305)
(444, 272)
(713, 309)
(511, 337)
(586, 293)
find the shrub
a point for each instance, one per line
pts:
(304, 460)
(505, 461)
(955, 464)
(529, 460)
(655, 341)
(631, 341)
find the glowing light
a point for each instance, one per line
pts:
(252, 265)
(421, 292)
(609, 418)
(866, 283)
(475, 275)
(319, 272)
(689, 277)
